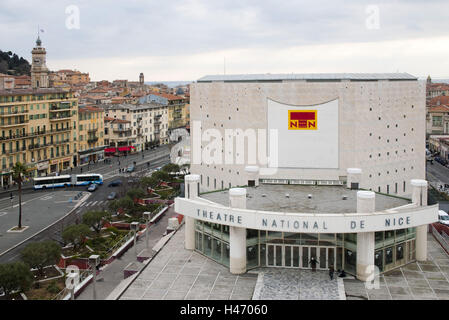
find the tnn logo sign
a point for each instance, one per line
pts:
(302, 120)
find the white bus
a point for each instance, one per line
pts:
(52, 182)
(88, 178)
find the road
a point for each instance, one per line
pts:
(437, 173)
(107, 170)
(45, 207)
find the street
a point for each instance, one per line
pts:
(43, 208)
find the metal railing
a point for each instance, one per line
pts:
(442, 239)
(122, 241)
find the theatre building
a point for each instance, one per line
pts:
(343, 182)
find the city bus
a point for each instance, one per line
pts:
(52, 182)
(88, 178)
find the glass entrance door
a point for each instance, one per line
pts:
(291, 256)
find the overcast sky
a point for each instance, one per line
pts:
(187, 39)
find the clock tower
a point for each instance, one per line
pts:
(39, 71)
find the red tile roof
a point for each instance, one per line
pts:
(436, 101)
(441, 108)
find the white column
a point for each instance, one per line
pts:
(366, 201)
(192, 182)
(419, 197)
(237, 235)
(354, 175)
(253, 174)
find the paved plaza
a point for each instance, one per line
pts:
(294, 284)
(415, 281)
(178, 274)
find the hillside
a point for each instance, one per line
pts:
(10, 63)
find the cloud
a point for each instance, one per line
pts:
(118, 34)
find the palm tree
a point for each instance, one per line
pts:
(19, 171)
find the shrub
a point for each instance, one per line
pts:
(53, 287)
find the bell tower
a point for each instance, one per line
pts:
(39, 70)
(141, 79)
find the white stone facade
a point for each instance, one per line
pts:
(381, 127)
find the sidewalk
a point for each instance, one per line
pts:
(112, 274)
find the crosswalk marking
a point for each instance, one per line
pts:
(94, 203)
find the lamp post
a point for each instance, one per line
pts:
(135, 227)
(94, 261)
(147, 216)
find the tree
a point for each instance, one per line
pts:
(171, 167)
(75, 234)
(135, 193)
(125, 203)
(15, 277)
(41, 254)
(151, 182)
(94, 219)
(19, 171)
(161, 175)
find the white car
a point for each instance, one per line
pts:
(443, 217)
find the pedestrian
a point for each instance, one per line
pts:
(313, 263)
(81, 169)
(142, 155)
(71, 169)
(331, 272)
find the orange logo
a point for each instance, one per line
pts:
(302, 120)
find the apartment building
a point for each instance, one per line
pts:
(147, 123)
(90, 134)
(37, 128)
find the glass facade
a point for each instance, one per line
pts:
(294, 250)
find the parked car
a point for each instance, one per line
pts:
(115, 183)
(112, 195)
(92, 187)
(130, 168)
(443, 217)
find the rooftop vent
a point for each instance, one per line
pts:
(287, 195)
(264, 195)
(309, 196)
(344, 197)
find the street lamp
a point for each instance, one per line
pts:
(94, 261)
(134, 227)
(147, 216)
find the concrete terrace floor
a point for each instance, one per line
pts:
(427, 280)
(178, 274)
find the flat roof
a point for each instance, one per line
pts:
(307, 77)
(325, 199)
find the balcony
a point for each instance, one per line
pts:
(92, 130)
(92, 140)
(61, 141)
(38, 146)
(60, 116)
(13, 113)
(13, 151)
(24, 122)
(122, 130)
(63, 106)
